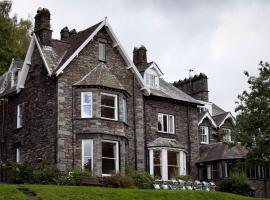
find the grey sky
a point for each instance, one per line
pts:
(219, 38)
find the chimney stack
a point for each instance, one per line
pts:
(72, 33)
(139, 55)
(42, 27)
(64, 33)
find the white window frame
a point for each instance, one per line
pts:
(92, 154)
(181, 156)
(209, 172)
(83, 115)
(170, 129)
(204, 134)
(115, 106)
(116, 155)
(227, 137)
(125, 112)
(101, 51)
(19, 115)
(152, 80)
(18, 155)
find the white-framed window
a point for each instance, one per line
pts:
(209, 172)
(204, 133)
(87, 154)
(110, 157)
(86, 104)
(18, 155)
(19, 115)
(102, 51)
(125, 112)
(167, 163)
(227, 135)
(108, 105)
(166, 123)
(152, 80)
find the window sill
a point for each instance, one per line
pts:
(108, 119)
(204, 142)
(166, 133)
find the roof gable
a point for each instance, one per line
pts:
(154, 66)
(208, 116)
(220, 119)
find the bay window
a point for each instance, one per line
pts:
(87, 154)
(165, 123)
(204, 133)
(109, 106)
(86, 104)
(173, 164)
(110, 158)
(157, 163)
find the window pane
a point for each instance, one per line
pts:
(157, 171)
(172, 158)
(107, 112)
(107, 100)
(165, 123)
(172, 171)
(86, 98)
(87, 164)
(87, 110)
(102, 48)
(108, 166)
(171, 123)
(108, 149)
(156, 157)
(159, 122)
(87, 149)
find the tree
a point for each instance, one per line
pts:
(253, 119)
(14, 36)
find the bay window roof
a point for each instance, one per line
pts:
(165, 142)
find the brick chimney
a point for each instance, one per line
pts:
(139, 55)
(64, 33)
(43, 27)
(196, 86)
(72, 33)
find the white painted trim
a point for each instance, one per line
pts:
(206, 129)
(82, 104)
(229, 115)
(164, 164)
(76, 53)
(151, 161)
(91, 143)
(19, 116)
(115, 103)
(155, 66)
(18, 155)
(207, 115)
(168, 123)
(116, 155)
(41, 54)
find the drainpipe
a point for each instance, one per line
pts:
(2, 138)
(134, 124)
(189, 143)
(72, 128)
(145, 138)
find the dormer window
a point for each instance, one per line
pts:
(151, 80)
(152, 75)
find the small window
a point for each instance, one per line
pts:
(109, 106)
(165, 123)
(152, 80)
(18, 155)
(227, 135)
(204, 133)
(86, 104)
(87, 154)
(110, 161)
(102, 51)
(19, 115)
(125, 113)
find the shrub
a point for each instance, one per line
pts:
(237, 184)
(118, 180)
(21, 172)
(78, 171)
(46, 174)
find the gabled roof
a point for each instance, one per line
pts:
(207, 115)
(167, 90)
(216, 110)
(221, 151)
(220, 119)
(144, 67)
(165, 142)
(101, 75)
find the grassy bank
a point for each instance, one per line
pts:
(52, 192)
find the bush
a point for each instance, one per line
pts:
(21, 172)
(142, 179)
(237, 184)
(119, 181)
(46, 174)
(78, 171)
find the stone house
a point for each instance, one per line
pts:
(82, 101)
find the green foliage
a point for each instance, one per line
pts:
(45, 174)
(237, 184)
(78, 171)
(10, 192)
(118, 180)
(142, 179)
(253, 124)
(14, 36)
(21, 173)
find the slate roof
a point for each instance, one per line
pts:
(101, 75)
(219, 118)
(216, 110)
(167, 90)
(221, 151)
(143, 67)
(165, 142)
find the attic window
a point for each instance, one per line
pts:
(152, 80)
(102, 51)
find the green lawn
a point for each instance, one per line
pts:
(51, 192)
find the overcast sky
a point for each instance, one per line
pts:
(219, 38)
